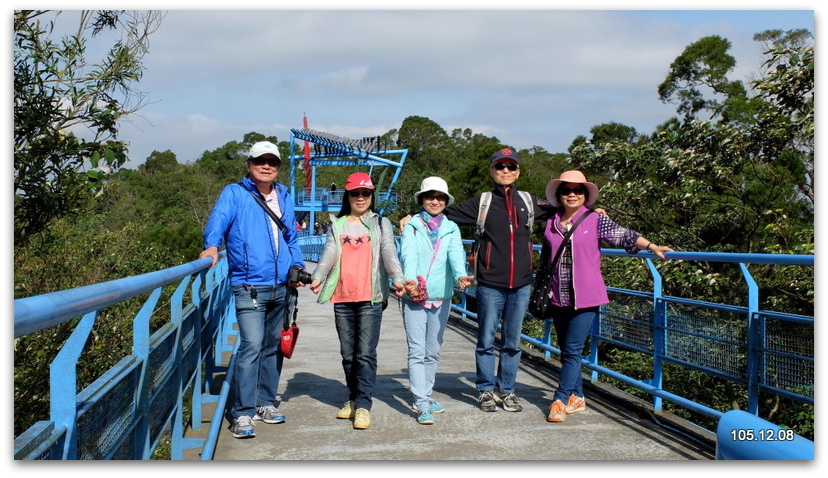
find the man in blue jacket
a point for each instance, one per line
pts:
(260, 254)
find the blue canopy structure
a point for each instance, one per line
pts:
(326, 149)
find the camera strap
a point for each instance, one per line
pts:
(259, 199)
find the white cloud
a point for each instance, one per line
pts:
(528, 77)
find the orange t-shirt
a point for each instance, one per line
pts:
(355, 265)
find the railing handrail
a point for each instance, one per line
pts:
(35, 313)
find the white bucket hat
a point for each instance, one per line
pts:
(434, 183)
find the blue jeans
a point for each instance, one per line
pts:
(424, 330)
(494, 304)
(259, 358)
(358, 327)
(572, 328)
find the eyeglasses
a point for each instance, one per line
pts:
(356, 194)
(510, 166)
(273, 163)
(579, 190)
(433, 196)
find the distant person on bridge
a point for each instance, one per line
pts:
(358, 256)
(432, 256)
(260, 253)
(578, 287)
(504, 275)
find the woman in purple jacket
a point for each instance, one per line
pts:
(578, 288)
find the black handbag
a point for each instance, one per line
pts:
(540, 303)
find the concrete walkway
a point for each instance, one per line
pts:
(312, 390)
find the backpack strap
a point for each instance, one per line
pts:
(486, 201)
(482, 212)
(530, 209)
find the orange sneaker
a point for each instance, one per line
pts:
(557, 412)
(575, 404)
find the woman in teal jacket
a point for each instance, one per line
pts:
(433, 257)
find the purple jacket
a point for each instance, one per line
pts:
(588, 283)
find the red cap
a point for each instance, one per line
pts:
(359, 180)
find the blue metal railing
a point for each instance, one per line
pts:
(126, 411)
(123, 414)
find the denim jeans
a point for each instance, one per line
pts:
(358, 327)
(259, 358)
(494, 304)
(572, 327)
(424, 330)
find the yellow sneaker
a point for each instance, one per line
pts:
(575, 404)
(362, 419)
(557, 412)
(347, 411)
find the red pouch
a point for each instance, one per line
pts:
(421, 295)
(289, 336)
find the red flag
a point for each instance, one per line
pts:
(307, 156)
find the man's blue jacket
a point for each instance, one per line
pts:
(244, 228)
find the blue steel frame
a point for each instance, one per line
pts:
(341, 153)
(166, 365)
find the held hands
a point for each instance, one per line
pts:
(465, 282)
(402, 287)
(411, 287)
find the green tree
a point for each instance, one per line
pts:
(702, 68)
(427, 144)
(58, 97)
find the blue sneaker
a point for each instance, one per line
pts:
(243, 427)
(437, 408)
(425, 418)
(269, 414)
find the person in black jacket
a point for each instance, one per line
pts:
(504, 276)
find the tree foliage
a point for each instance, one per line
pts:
(60, 99)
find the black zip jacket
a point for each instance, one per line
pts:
(505, 257)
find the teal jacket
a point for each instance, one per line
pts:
(385, 261)
(449, 265)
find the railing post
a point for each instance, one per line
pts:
(659, 335)
(755, 337)
(140, 348)
(63, 384)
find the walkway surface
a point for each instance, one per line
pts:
(312, 390)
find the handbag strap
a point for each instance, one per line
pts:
(433, 256)
(566, 239)
(259, 199)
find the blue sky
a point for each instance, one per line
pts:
(530, 77)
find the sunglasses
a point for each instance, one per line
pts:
(439, 197)
(579, 190)
(273, 163)
(356, 194)
(509, 166)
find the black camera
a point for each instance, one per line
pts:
(297, 274)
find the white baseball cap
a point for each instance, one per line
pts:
(264, 147)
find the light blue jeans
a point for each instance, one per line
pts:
(493, 305)
(259, 357)
(424, 330)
